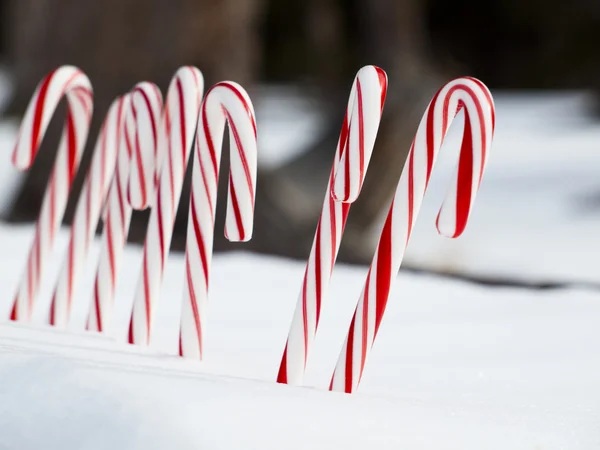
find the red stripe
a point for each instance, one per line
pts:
(161, 232)
(150, 111)
(318, 280)
(147, 293)
(13, 313)
(236, 210)
(383, 83)
(169, 125)
(138, 163)
(333, 226)
(347, 166)
(83, 96)
(211, 208)
(152, 120)
(465, 178)
(361, 133)
(282, 375)
(384, 269)
(240, 147)
(199, 240)
(465, 166)
(488, 97)
(365, 323)
(109, 246)
(349, 360)
(195, 312)
(52, 319)
(73, 150)
(305, 317)
(184, 146)
(242, 99)
(130, 334)
(209, 141)
(97, 306)
(411, 193)
(196, 81)
(70, 270)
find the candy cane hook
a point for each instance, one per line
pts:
(176, 137)
(353, 153)
(473, 97)
(225, 102)
(72, 83)
(87, 213)
(133, 179)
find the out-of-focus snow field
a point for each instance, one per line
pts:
(456, 365)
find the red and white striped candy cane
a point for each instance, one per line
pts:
(473, 97)
(138, 141)
(87, 213)
(224, 102)
(176, 137)
(352, 156)
(72, 83)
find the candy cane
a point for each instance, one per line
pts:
(88, 209)
(463, 93)
(72, 83)
(225, 102)
(353, 153)
(133, 179)
(177, 135)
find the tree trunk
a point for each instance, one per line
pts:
(384, 33)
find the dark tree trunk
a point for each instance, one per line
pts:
(384, 33)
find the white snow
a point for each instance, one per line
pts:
(456, 366)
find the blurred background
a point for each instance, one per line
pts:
(539, 207)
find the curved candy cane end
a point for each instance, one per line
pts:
(241, 230)
(20, 161)
(145, 108)
(363, 115)
(244, 237)
(449, 229)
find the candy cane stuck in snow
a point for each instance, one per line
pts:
(352, 156)
(225, 102)
(133, 178)
(176, 137)
(87, 213)
(72, 83)
(473, 97)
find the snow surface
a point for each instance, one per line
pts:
(456, 366)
